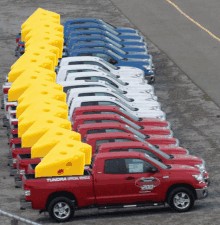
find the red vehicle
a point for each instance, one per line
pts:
(16, 150)
(27, 165)
(112, 118)
(125, 146)
(95, 140)
(168, 156)
(119, 179)
(13, 136)
(107, 109)
(95, 128)
(23, 160)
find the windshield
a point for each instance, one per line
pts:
(113, 42)
(129, 114)
(116, 79)
(153, 148)
(109, 25)
(156, 161)
(107, 63)
(130, 123)
(114, 54)
(113, 36)
(122, 96)
(125, 104)
(139, 134)
(118, 49)
(110, 30)
(113, 87)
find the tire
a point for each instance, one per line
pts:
(58, 202)
(186, 196)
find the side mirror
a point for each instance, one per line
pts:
(152, 170)
(113, 61)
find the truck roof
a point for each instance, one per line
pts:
(99, 116)
(101, 108)
(102, 125)
(121, 145)
(80, 58)
(112, 135)
(115, 155)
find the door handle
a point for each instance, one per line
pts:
(129, 178)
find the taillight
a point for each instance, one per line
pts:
(14, 123)
(5, 90)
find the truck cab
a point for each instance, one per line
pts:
(81, 21)
(107, 109)
(108, 127)
(105, 100)
(117, 60)
(95, 140)
(136, 101)
(112, 80)
(104, 40)
(81, 68)
(100, 27)
(119, 38)
(107, 46)
(97, 61)
(115, 119)
(128, 146)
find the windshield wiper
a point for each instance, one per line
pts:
(169, 166)
(171, 156)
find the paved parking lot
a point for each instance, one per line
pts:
(194, 120)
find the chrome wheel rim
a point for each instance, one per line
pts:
(61, 210)
(181, 200)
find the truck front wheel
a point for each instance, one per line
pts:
(61, 209)
(181, 199)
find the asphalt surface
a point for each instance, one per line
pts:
(191, 48)
(194, 119)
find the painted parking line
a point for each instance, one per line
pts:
(192, 20)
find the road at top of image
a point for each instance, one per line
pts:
(194, 117)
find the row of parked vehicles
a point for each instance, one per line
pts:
(107, 72)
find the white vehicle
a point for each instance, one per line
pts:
(130, 93)
(102, 91)
(94, 76)
(105, 100)
(96, 61)
(65, 70)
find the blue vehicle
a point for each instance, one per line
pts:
(107, 46)
(131, 47)
(20, 47)
(121, 40)
(18, 37)
(117, 60)
(95, 27)
(81, 21)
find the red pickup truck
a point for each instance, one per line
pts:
(107, 109)
(111, 118)
(24, 160)
(95, 140)
(119, 179)
(96, 128)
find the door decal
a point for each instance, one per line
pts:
(147, 183)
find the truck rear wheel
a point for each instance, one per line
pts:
(61, 209)
(181, 199)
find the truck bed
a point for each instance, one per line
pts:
(32, 175)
